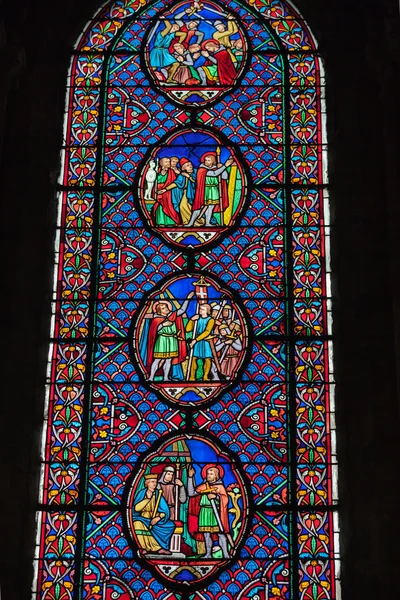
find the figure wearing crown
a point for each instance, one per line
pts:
(151, 518)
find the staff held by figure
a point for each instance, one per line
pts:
(201, 292)
(221, 208)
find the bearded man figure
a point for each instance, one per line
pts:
(163, 343)
(211, 189)
(229, 348)
(173, 490)
(208, 509)
(183, 189)
(151, 519)
(165, 214)
(219, 67)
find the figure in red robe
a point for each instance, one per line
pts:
(219, 67)
(163, 344)
(211, 189)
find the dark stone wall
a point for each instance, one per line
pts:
(360, 42)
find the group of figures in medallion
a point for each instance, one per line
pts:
(195, 50)
(190, 339)
(192, 187)
(187, 508)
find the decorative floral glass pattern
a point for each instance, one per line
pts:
(189, 441)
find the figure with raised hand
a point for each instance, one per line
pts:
(211, 189)
(160, 56)
(163, 342)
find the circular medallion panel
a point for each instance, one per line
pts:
(187, 509)
(190, 339)
(192, 188)
(195, 52)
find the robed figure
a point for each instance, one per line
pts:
(166, 343)
(151, 518)
(165, 213)
(162, 343)
(219, 66)
(173, 491)
(229, 348)
(160, 55)
(211, 189)
(183, 189)
(208, 511)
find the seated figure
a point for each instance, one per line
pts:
(151, 518)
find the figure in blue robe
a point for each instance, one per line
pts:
(151, 518)
(183, 184)
(183, 190)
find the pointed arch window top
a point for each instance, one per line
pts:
(284, 20)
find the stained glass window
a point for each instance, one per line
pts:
(189, 439)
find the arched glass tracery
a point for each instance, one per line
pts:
(131, 393)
